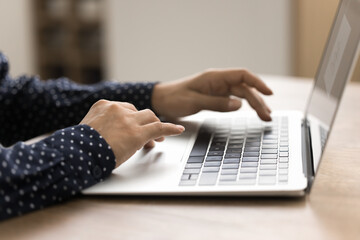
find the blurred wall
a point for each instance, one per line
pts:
(163, 40)
(16, 35)
(313, 23)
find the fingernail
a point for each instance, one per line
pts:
(269, 118)
(180, 127)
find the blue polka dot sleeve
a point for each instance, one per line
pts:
(52, 170)
(30, 107)
(71, 159)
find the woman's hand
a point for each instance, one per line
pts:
(215, 89)
(126, 129)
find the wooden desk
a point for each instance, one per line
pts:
(331, 211)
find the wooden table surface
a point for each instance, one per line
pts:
(331, 211)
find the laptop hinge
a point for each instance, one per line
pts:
(307, 155)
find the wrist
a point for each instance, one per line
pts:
(158, 99)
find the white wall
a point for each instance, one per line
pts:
(167, 39)
(16, 35)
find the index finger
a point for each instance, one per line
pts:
(238, 76)
(157, 130)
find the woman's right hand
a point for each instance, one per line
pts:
(126, 129)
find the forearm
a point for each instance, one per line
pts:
(30, 107)
(52, 170)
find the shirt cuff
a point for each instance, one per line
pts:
(87, 157)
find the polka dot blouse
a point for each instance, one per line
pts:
(72, 158)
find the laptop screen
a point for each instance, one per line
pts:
(334, 71)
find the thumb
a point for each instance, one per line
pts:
(220, 104)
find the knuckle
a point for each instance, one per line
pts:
(151, 114)
(159, 126)
(114, 107)
(100, 102)
(209, 71)
(132, 106)
(244, 71)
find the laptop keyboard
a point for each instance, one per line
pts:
(244, 151)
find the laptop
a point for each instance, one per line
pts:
(237, 154)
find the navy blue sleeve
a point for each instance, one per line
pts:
(60, 166)
(52, 170)
(30, 107)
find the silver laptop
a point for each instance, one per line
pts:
(237, 154)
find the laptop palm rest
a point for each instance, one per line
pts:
(150, 170)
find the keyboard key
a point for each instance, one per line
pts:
(201, 142)
(185, 177)
(224, 139)
(236, 141)
(284, 144)
(269, 141)
(252, 144)
(267, 180)
(283, 171)
(227, 178)
(233, 155)
(212, 164)
(283, 178)
(193, 165)
(231, 160)
(215, 153)
(252, 149)
(270, 137)
(194, 176)
(269, 156)
(235, 134)
(211, 169)
(283, 165)
(191, 171)
(249, 164)
(208, 179)
(195, 159)
(236, 146)
(213, 158)
(270, 146)
(253, 140)
(284, 154)
(234, 138)
(284, 149)
(220, 135)
(217, 148)
(284, 159)
(267, 172)
(248, 170)
(218, 144)
(250, 159)
(234, 150)
(229, 171)
(230, 166)
(269, 151)
(268, 161)
(268, 167)
(247, 175)
(251, 154)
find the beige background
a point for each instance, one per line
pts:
(298, 33)
(16, 36)
(313, 23)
